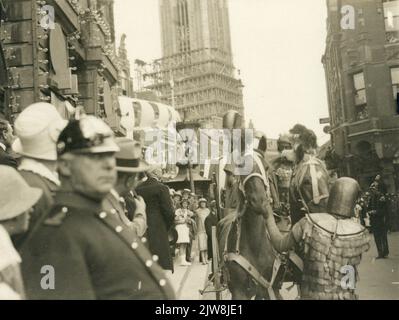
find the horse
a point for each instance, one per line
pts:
(244, 244)
(309, 188)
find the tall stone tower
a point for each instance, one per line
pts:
(196, 74)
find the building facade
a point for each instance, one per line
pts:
(62, 52)
(196, 74)
(361, 64)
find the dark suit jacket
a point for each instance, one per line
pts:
(7, 160)
(92, 255)
(160, 218)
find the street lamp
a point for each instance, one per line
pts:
(180, 127)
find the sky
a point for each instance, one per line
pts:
(277, 46)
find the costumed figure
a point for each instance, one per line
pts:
(330, 244)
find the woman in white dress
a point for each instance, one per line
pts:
(181, 217)
(202, 213)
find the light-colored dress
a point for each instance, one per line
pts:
(183, 231)
(202, 214)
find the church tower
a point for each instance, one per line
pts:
(196, 73)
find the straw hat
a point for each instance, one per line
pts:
(129, 158)
(37, 129)
(16, 197)
(202, 200)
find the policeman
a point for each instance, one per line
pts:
(82, 252)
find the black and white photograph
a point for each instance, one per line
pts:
(202, 151)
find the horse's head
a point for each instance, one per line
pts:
(255, 185)
(310, 186)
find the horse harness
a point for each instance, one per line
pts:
(240, 259)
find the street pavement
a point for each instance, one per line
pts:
(379, 279)
(188, 281)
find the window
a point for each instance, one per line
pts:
(124, 83)
(391, 16)
(183, 26)
(360, 89)
(395, 81)
(360, 96)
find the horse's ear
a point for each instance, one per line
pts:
(263, 143)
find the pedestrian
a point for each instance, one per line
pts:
(186, 194)
(192, 226)
(91, 254)
(16, 200)
(118, 201)
(177, 197)
(160, 216)
(201, 214)
(211, 221)
(327, 243)
(193, 199)
(357, 212)
(182, 217)
(378, 220)
(37, 129)
(6, 139)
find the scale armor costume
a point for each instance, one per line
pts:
(332, 241)
(326, 252)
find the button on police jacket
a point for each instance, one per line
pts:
(81, 252)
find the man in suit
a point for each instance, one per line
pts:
(88, 253)
(131, 209)
(6, 139)
(160, 216)
(378, 220)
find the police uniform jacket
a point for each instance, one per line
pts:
(90, 255)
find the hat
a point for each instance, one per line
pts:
(16, 196)
(89, 135)
(129, 158)
(155, 171)
(187, 191)
(172, 192)
(178, 193)
(37, 129)
(202, 200)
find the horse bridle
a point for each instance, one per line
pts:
(317, 197)
(262, 175)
